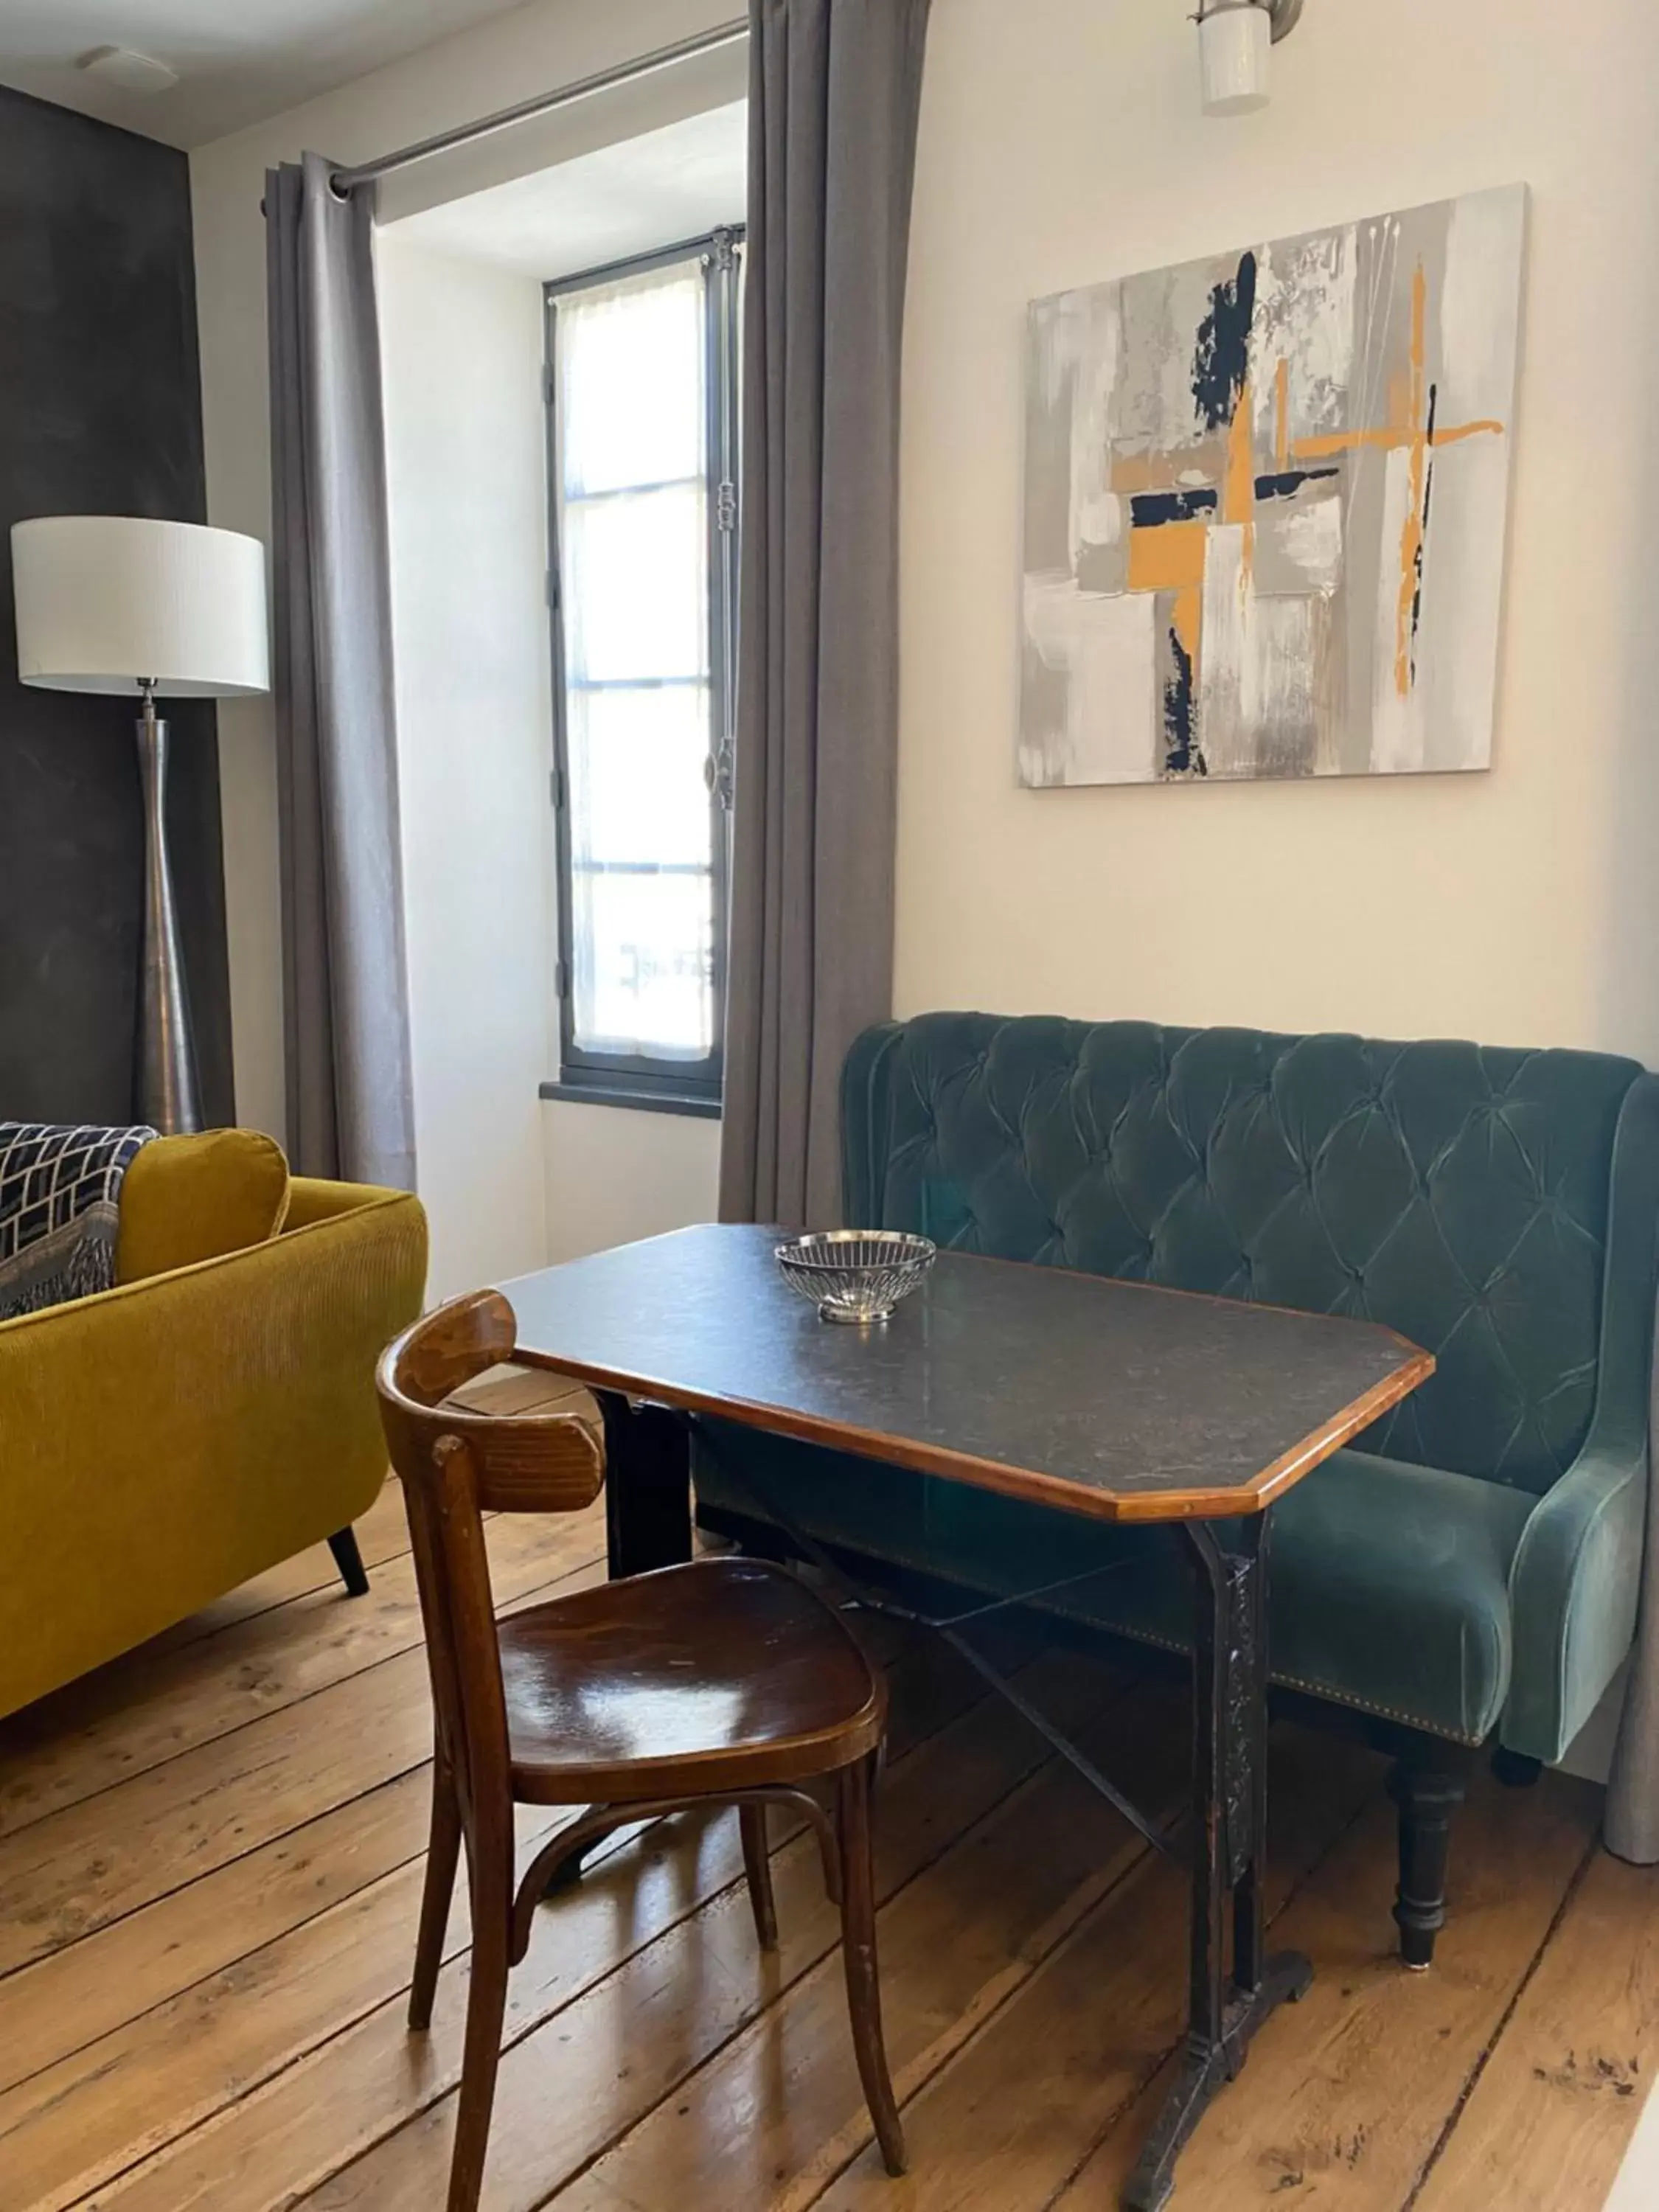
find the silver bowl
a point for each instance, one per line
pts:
(856, 1275)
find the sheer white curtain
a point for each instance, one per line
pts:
(630, 376)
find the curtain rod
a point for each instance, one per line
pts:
(706, 42)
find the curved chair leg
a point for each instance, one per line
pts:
(858, 1944)
(758, 1867)
(443, 1850)
(486, 2010)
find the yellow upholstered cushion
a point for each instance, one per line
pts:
(186, 1198)
(169, 1439)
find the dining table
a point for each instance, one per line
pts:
(1115, 1400)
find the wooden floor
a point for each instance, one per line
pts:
(210, 1858)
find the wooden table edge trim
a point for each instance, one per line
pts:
(1071, 1496)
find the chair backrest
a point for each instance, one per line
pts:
(456, 1465)
(1495, 1206)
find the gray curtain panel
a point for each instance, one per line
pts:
(350, 1107)
(834, 88)
(1631, 1826)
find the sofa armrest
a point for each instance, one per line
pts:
(164, 1440)
(1575, 1579)
(312, 1198)
(1574, 1585)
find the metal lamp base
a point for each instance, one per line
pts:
(168, 1096)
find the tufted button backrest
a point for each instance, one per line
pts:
(1456, 1192)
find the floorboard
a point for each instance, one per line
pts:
(210, 1856)
(1058, 2067)
(1551, 2113)
(1346, 2093)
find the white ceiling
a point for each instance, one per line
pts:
(678, 182)
(238, 61)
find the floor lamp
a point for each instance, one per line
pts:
(118, 605)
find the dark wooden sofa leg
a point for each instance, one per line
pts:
(350, 1560)
(1428, 1785)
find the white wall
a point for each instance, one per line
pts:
(614, 1174)
(465, 472)
(547, 43)
(1061, 142)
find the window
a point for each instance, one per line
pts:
(643, 387)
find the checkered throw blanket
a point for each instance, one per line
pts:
(59, 1193)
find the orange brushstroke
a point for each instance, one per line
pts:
(1167, 557)
(1456, 430)
(1187, 621)
(1238, 484)
(1329, 442)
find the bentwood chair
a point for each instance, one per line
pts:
(725, 1682)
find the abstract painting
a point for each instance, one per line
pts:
(1266, 495)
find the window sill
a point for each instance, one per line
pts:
(638, 1102)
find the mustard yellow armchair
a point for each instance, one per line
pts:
(163, 1441)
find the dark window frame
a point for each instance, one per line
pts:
(668, 1084)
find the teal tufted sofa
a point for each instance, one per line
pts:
(1469, 1571)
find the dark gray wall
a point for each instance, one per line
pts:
(100, 413)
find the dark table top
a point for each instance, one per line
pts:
(1106, 1398)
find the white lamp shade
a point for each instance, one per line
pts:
(1235, 53)
(104, 601)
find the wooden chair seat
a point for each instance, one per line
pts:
(722, 1676)
(725, 1682)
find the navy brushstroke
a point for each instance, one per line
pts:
(1284, 487)
(1148, 509)
(1181, 757)
(1221, 360)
